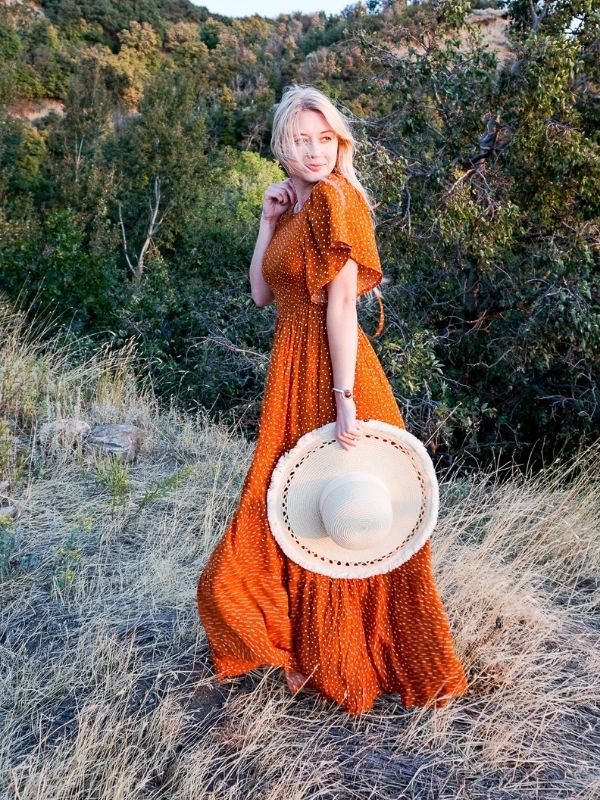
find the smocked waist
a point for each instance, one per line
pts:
(301, 310)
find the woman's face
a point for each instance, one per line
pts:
(316, 147)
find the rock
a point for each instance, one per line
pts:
(63, 432)
(121, 440)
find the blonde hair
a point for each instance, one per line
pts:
(294, 101)
(286, 129)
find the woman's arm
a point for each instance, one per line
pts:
(342, 335)
(278, 198)
(260, 289)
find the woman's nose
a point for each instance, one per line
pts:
(312, 148)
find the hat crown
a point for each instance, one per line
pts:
(356, 510)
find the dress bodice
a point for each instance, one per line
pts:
(310, 247)
(284, 266)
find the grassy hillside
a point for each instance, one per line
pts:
(106, 686)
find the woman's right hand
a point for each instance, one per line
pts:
(278, 198)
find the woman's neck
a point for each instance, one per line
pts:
(303, 190)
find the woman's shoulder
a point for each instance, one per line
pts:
(334, 186)
(335, 193)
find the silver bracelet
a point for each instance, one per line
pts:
(345, 392)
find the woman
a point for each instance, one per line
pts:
(349, 639)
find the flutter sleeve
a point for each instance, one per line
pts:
(339, 227)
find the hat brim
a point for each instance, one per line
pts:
(391, 453)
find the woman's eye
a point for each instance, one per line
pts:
(305, 141)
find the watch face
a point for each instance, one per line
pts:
(347, 393)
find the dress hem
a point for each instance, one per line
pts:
(434, 701)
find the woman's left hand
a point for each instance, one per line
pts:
(347, 427)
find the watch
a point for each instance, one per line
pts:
(345, 392)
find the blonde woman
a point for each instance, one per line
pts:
(348, 639)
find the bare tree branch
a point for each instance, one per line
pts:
(137, 269)
(152, 228)
(124, 236)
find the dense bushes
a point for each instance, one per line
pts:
(135, 213)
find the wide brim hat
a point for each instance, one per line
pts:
(321, 494)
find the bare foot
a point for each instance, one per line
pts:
(295, 681)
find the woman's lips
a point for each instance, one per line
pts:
(314, 168)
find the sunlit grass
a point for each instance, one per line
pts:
(106, 687)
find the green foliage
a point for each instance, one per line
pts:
(55, 269)
(194, 314)
(217, 240)
(113, 475)
(28, 159)
(210, 31)
(112, 16)
(490, 189)
(13, 560)
(6, 448)
(166, 141)
(32, 58)
(412, 364)
(160, 488)
(135, 213)
(68, 554)
(10, 42)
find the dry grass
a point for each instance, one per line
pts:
(106, 688)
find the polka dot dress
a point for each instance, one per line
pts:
(356, 638)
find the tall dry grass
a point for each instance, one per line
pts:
(106, 688)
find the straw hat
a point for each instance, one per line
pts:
(358, 512)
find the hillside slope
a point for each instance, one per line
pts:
(107, 689)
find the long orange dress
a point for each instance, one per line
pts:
(354, 637)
